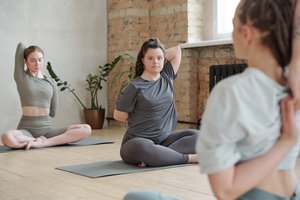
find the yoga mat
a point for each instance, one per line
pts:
(84, 142)
(89, 141)
(110, 168)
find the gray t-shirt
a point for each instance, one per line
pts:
(150, 105)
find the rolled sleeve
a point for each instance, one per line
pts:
(219, 133)
(127, 99)
(214, 154)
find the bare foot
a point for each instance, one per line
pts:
(141, 164)
(37, 143)
(193, 158)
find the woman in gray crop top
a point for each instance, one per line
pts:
(147, 104)
(38, 96)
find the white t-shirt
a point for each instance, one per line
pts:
(241, 121)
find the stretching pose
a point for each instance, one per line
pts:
(38, 96)
(294, 65)
(147, 103)
(250, 148)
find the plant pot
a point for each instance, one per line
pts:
(94, 117)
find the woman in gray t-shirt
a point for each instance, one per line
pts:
(147, 104)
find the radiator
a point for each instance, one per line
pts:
(219, 72)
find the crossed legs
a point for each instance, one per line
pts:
(178, 148)
(16, 139)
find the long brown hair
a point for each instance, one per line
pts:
(31, 49)
(274, 19)
(152, 43)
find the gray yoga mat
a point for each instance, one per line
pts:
(110, 168)
(84, 142)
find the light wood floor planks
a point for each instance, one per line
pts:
(32, 175)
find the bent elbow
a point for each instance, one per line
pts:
(116, 118)
(223, 194)
(120, 116)
(178, 49)
(52, 114)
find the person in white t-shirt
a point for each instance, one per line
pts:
(248, 141)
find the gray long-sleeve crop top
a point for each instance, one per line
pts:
(33, 91)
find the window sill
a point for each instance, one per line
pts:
(206, 43)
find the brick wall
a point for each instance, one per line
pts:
(131, 22)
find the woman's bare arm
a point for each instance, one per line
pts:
(234, 181)
(120, 116)
(173, 54)
(294, 66)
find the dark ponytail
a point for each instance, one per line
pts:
(152, 43)
(274, 19)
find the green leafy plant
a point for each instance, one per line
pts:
(93, 87)
(94, 82)
(129, 73)
(63, 85)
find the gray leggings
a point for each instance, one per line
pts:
(173, 150)
(39, 126)
(256, 193)
(147, 195)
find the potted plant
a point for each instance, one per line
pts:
(94, 114)
(125, 76)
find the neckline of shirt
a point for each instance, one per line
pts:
(265, 77)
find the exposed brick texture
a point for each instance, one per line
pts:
(131, 22)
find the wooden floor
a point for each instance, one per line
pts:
(32, 175)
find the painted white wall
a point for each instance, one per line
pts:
(73, 36)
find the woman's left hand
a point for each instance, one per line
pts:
(294, 82)
(288, 116)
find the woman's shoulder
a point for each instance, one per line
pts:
(232, 83)
(252, 80)
(247, 80)
(135, 84)
(233, 90)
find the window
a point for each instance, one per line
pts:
(222, 19)
(218, 18)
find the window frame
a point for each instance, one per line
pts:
(211, 22)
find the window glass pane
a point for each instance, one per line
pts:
(225, 13)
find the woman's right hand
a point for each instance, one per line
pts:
(294, 82)
(288, 117)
